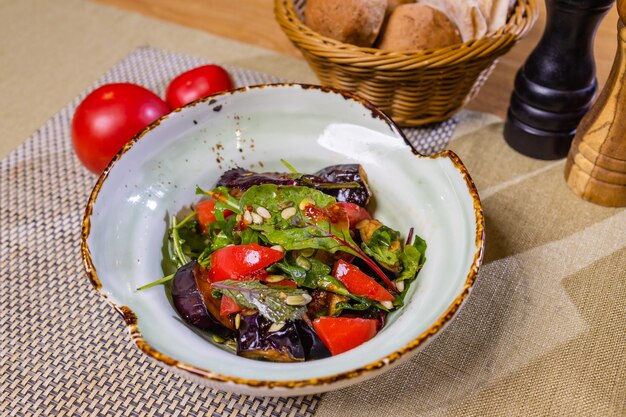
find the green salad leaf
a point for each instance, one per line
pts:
(380, 248)
(412, 259)
(272, 302)
(290, 226)
(316, 277)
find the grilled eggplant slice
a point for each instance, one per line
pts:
(292, 341)
(259, 338)
(342, 174)
(190, 303)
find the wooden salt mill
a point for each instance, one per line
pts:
(555, 87)
(596, 164)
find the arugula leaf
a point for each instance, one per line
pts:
(269, 301)
(380, 248)
(223, 200)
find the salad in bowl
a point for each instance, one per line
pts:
(288, 267)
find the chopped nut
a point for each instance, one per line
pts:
(263, 212)
(288, 213)
(399, 285)
(333, 300)
(387, 304)
(367, 228)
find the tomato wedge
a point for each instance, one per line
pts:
(358, 283)
(228, 306)
(341, 334)
(242, 262)
(355, 212)
(206, 214)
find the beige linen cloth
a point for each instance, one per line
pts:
(543, 333)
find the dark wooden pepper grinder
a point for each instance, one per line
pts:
(555, 87)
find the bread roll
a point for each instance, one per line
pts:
(351, 21)
(417, 26)
(392, 4)
(465, 14)
(500, 13)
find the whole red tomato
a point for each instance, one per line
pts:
(197, 83)
(108, 118)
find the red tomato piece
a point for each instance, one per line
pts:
(358, 283)
(109, 117)
(242, 262)
(355, 212)
(206, 213)
(197, 83)
(228, 306)
(341, 334)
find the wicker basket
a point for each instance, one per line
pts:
(414, 88)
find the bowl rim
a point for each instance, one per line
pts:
(383, 363)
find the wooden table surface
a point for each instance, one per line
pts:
(252, 21)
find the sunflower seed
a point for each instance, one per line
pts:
(247, 217)
(307, 253)
(218, 339)
(276, 327)
(274, 278)
(263, 212)
(237, 321)
(278, 248)
(256, 218)
(303, 262)
(288, 213)
(298, 300)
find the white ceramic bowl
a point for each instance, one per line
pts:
(311, 127)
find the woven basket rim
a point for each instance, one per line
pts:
(494, 43)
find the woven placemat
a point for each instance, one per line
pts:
(63, 350)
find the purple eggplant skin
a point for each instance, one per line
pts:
(241, 179)
(255, 341)
(313, 346)
(190, 304)
(338, 174)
